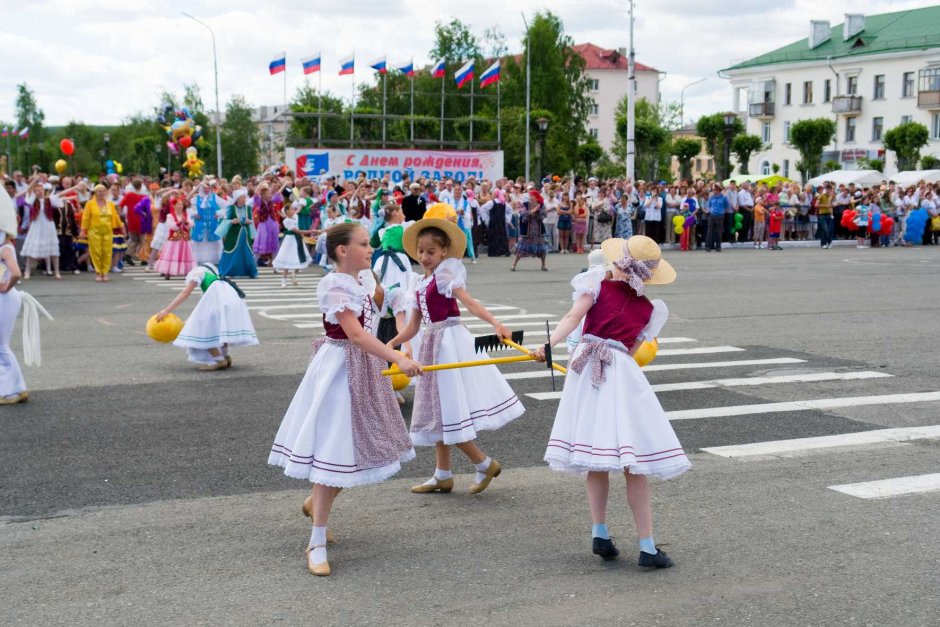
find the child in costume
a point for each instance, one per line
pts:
(292, 255)
(609, 419)
(343, 427)
(220, 319)
(206, 245)
(451, 405)
(392, 265)
(176, 255)
(237, 232)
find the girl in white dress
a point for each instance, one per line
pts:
(609, 418)
(452, 405)
(42, 241)
(220, 319)
(293, 254)
(343, 427)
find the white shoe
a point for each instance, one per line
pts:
(473, 261)
(283, 282)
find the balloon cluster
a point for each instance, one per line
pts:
(848, 219)
(915, 225)
(738, 222)
(193, 163)
(114, 167)
(678, 224)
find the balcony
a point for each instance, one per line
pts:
(847, 104)
(928, 99)
(760, 109)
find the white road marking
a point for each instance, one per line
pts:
(886, 488)
(682, 366)
(817, 404)
(841, 440)
(742, 381)
(537, 323)
(673, 352)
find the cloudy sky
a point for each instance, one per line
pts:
(100, 61)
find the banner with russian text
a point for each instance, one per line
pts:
(458, 165)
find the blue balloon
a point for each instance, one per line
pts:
(875, 222)
(914, 226)
(109, 164)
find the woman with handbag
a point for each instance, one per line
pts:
(603, 218)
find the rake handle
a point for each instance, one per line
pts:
(523, 349)
(463, 364)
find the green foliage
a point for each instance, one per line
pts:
(742, 147)
(653, 156)
(685, 149)
(871, 164)
(589, 153)
(929, 162)
(711, 128)
(906, 140)
(241, 144)
(829, 166)
(810, 137)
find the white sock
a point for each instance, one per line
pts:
(317, 538)
(439, 475)
(482, 467)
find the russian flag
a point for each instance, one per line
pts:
(464, 75)
(347, 65)
(6, 131)
(24, 133)
(490, 76)
(311, 64)
(438, 70)
(380, 65)
(278, 65)
(408, 69)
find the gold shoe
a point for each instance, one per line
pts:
(443, 486)
(320, 570)
(307, 509)
(228, 361)
(218, 365)
(22, 397)
(491, 472)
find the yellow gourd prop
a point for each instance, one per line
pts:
(646, 353)
(166, 330)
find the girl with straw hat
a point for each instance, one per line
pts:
(609, 419)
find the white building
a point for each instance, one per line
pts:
(869, 74)
(607, 71)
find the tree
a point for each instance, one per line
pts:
(711, 128)
(589, 153)
(685, 149)
(241, 145)
(28, 114)
(742, 147)
(905, 141)
(929, 162)
(651, 136)
(830, 166)
(810, 137)
(303, 130)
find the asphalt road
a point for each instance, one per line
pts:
(133, 488)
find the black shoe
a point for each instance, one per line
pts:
(606, 549)
(660, 560)
(129, 262)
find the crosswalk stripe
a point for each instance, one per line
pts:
(538, 374)
(885, 488)
(819, 403)
(486, 325)
(742, 381)
(799, 445)
(675, 352)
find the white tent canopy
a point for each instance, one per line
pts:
(862, 178)
(912, 177)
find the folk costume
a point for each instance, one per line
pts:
(293, 253)
(237, 238)
(343, 427)
(267, 241)
(392, 264)
(41, 238)
(176, 255)
(206, 245)
(100, 223)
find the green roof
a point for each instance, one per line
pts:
(916, 29)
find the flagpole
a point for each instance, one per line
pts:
(499, 126)
(319, 105)
(412, 103)
(352, 103)
(284, 112)
(384, 100)
(471, 113)
(443, 80)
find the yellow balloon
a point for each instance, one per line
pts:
(400, 381)
(646, 353)
(678, 220)
(679, 229)
(166, 330)
(60, 165)
(442, 211)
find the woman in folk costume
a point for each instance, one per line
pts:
(144, 212)
(42, 242)
(464, 208)
(343, 427)
(293, 254)
(495, 214)
(220, 319)
(207, 246)
(532, 244)
(267, 240)
(66, 227)
(176, 256)
(100, 220)
(609, 418)
(237, 231)
(12, 385)
(451, 406)
(392, 265)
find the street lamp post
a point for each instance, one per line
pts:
(218, 114)
(682, 100)
(528, 95)
(729, 119)
(106, 150)
(543, 130)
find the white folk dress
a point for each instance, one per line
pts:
(450, 406)
(220, 318)
(293, 253)
(343, 427)
(11, 377)
(609, 417)
(41, 238)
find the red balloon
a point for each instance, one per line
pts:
(887, 224)
(186, 141)
(67, 146)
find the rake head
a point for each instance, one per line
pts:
(486, 343)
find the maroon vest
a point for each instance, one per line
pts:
(34, 211)
(335, 331)
(618, 314)
(436, 307)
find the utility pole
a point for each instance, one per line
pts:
(218, 114)
(528, 94)
(631, 102)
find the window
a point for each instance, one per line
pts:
(827, 90)
(765, 168)
(698, 165)
(850, 129)
(877, 128)
(593, 133)
(765, 132)
(786, 132)
(907, 118)
(935, 127)
(786, 168)
(851, 85)
(787, 93)
(594, 108)
(807, 92)
(595, 84)
(907, 85)
(711, 164)
(879, 91)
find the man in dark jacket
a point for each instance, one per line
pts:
(413, 205)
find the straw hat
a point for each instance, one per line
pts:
(8, 221)
(641, 248)
(444, 217)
